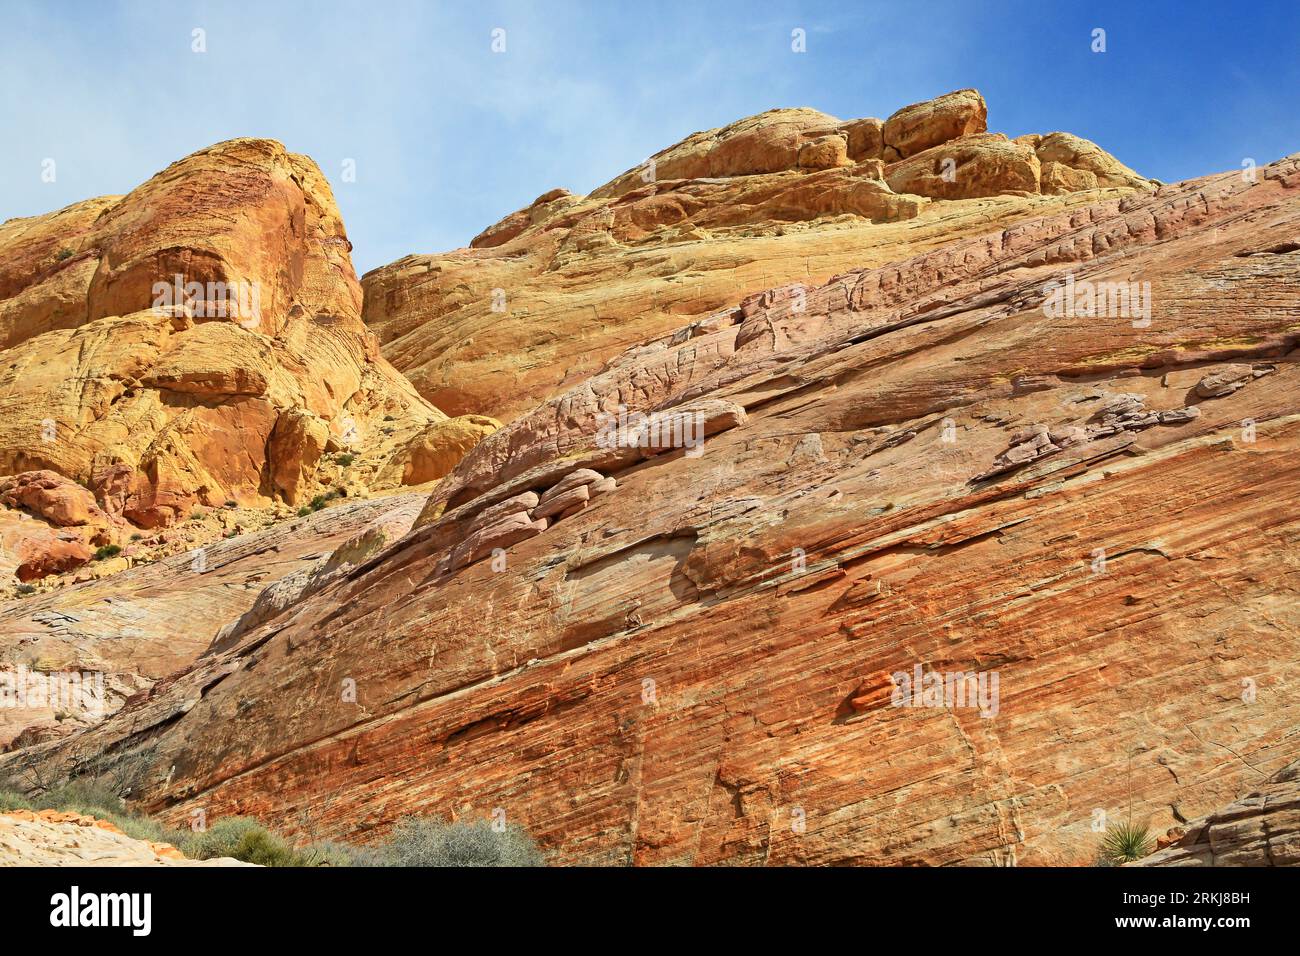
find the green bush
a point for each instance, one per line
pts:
(82, 793)
(265, 849)
(107, 551)
(64, 254)
(345, 460)
(98, 797)
(12, 800)
(242, 838)
(1124, 843)
(425, 841)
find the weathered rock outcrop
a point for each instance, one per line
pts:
(55, 838)
(144, 623)
(195, 342)
(1260, 829)
(546, 296)
(704, 664)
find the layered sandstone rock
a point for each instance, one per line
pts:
(144, 623)
(197, 341)
(546, 296)
(701, 664)
(916, 128)
(1260, 829)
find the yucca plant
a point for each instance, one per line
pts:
(1125, 842)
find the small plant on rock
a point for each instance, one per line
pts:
(1124, 843)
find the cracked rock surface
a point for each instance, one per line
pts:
(704, 653)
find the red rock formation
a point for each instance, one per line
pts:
(1260, 829)
(196, 341)
(693, 667)
(40, 559)
(144, 623)
(546, 296)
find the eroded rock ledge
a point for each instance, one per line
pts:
(681, 669)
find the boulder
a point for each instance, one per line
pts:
(1224, 381)
(824, 152)
(1085, 156)
(47, 494)
(493, 514)
(574, 479)
(920, 126)
(555, 504)
(57, 556)
(297, 442)
(968, 168)
(865, 138)
(502, 534)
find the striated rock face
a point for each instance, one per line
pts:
(976, 467)
(55, 838)
(546, 296)
(1261, 829)
(195, 342)
(144, 623)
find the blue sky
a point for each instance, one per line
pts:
(448, 136)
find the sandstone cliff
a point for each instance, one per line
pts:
(196, 342)
(549, 293)
(917, 454)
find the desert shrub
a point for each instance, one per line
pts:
(345, 459)
(304, 511)
(265, 849)
(63, 254)
(107, 551)
(83, 794)
(1124, 843)
(98, 789)
(242, 838)
(425, 841)
(331, 853)
(13, 800)
(26, 589)
(140, 827)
